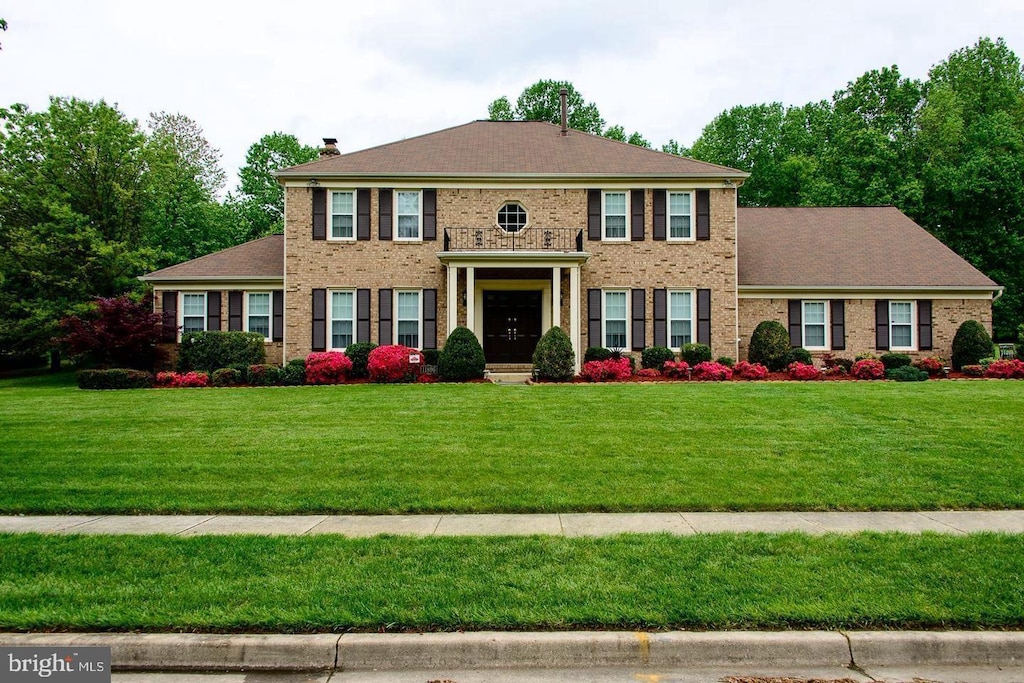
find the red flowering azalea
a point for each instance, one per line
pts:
(610, 370)
(747, 370)
(390, 364)
(711, 372)
(676, 369)
(933, 366)
(803, 372)
(1005, 369)
(868, 368)
(329, 367)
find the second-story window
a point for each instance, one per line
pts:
(615, 209)
(679, 215)
(343, 215)
(408, 213)
(512, 217)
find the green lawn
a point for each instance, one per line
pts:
(331, 583)
(485, 448)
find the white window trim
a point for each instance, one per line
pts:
(669, 318)
(804, 323)
(912, 324)
(604, 316)
(419, 217)
(331, 318)
(668, 216)
(604, 222)
(331, 214)
(419, 314)
(526, 211)
(270, 314)
(181, 312)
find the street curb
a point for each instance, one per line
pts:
(548, 650)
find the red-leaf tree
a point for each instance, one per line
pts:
(117, 332)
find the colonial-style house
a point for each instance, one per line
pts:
(510, 228)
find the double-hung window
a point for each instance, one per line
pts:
(343, 319)
(680, 215)
(408, 215)
(814, 323)
(615, 319)
(193, 312)
(616, 207)
(408, 320)
(901, 325)
(680, 318)
(258, 315)
(343, 215)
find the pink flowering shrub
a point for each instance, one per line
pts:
(868, 368)
(611, 370)
(676, 369)
(1006, 369)
(803, 372)
(748, 370)
(931, 365)
(648, 372)
(183, 380)
(973, 370)
(329, 367)
(709, 371)
(390, 364)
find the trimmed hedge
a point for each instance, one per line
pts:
(462, 357)
(226, 377)
(596, 353)
(264, 375)
(115, 378)
(210, 351)
(970, 344)
(655, 357)
(294, 373)
(769, 345)
(906, 373)
(553, 358)
(798, 355)
(695, 354)
(892, 361)
(359, 354)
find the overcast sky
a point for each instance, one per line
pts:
(373, 72)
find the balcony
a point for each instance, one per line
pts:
(534, 239)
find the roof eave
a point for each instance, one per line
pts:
(289, 175)
(164, 279)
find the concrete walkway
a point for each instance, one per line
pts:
(566, 524)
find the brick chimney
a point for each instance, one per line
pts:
(330, 148)
(563, 95)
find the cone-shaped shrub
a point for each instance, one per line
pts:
(462, 357)
(769, 345)
(970, 344)
(553, 358)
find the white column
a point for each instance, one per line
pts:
(471, 300)
(453, 298)
(556, 296)
(574, 313)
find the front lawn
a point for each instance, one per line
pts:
(484, 448)
(719, 581)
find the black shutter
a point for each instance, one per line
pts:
(277, 296)
(169, 323)
(319, 213)
(594, 318)
(838, 316)
(384, 199)
(796, 333)
(429, 319)
(924, 324)
(362, 315)
(704, 316)
(213, 311)
(639, 319)
(659, 219)
(235, 311)
(594, 215)
(636, 208)
(430, 215)
(363, 214)
(882, 324)
(319, 320)
(661, 317)
(384, 302)
(703, 214)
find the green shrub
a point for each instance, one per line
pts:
(1020, 342)
(906, 373)
(726, 361)
(866, 355)
(596, 353)
(970, 344)
(294, 373)
(655, 356)
(115, 378)
(359, 354)
(798, 355)
(891, 361)
(695, 354)
(462, 357)
(769, 345)
(209, 351)
(226, 377)
(430, 356)
(243, 372)
(553, 358)
(264, 375)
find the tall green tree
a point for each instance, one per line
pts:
(71, 205)
(259, 202)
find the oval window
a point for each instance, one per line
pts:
(512, 217)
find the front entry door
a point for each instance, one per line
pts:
(512, 321)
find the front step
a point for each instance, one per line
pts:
(510, 377)
(509, 367)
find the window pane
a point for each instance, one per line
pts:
(408, 226)
(260, 324)
(341, 202)
(194, 304)
(615, 203)
(615, 334)
(193, 324)
(680, 305)
(341, 226)
(341, 305)
(679, 227)
(814, 336)
(679, 203)
(615, 305)
(615, 226)
(409, 306)
(341, 334)
(409, 202)
(680, 333)
(259, 303)
(408, 333)
(900, 312)
(814, 312)
(901, 336)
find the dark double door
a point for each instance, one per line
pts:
(512, 321)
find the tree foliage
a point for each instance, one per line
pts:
(114, 332)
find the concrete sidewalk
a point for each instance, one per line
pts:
(566, 524)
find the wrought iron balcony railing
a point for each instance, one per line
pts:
(532, 239)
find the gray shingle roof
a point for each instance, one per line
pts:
(260, 259)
